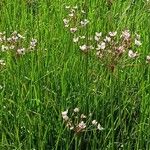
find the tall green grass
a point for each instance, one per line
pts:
(38, 86)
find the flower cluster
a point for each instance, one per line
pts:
(71, 21)
(78, 122)
(75, 24)
(14, 43)
(114, 46)
(110, 48)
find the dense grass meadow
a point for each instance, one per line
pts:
(74, 75)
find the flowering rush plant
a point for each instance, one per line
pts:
(109, 47)
(15, 44)
(78, 122)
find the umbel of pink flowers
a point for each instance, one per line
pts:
(77, 122)
(105, 47)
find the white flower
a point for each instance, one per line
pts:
(84, 22)
(20, 36)
(120, 49)
(113, 33)
(101, 46)
(132, 54)
(82, 116)
(83, 47)
(64, 113)
(71, 15)
(137, 42)
(137, 36)
(72, 11)
(4, 48)
(75, 7)
(2, 62)
(76, 110)
(66, 25)
(72, 30)
(12, 47)
(21, 51)
(99, 127)
(107, 39)
(33, 43)
(9, 39)
(67, 7)
(97, 38)
(72, 127)
(98, 34)
(66, 21)
(82, 125)
(65, 117)
(94, 122)
(75, 39)
(15, 38)
(82, 37)
(126, 34)
(148, 59)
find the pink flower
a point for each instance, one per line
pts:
(82, 125)
(126, 34)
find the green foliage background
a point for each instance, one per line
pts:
(40, 85)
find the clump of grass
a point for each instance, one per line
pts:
(77, 122)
